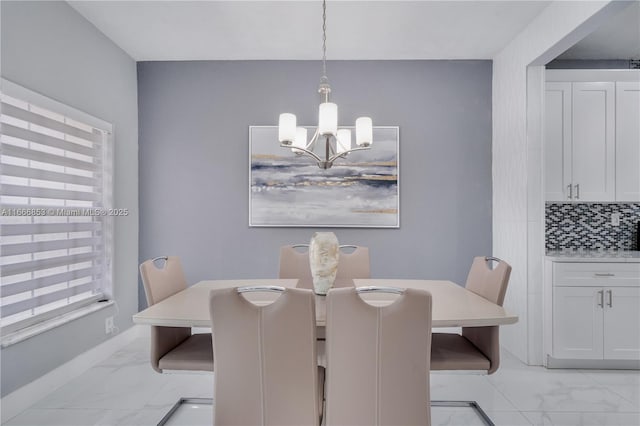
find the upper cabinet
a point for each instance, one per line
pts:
(557, 139)
(628, 141)
(592, 137)
(593, 141)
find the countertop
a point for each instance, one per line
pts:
(617, 256)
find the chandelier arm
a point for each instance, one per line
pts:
(327, 148)
(313, 140)
(304, 151)
(332, 150)
(342, 154)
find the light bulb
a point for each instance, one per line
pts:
(301, 139)
(364, 131)
(287, 128)
(328, 119)
(343, 141)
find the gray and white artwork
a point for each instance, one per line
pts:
(361, 190)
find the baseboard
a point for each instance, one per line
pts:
(24, 397)
(599, 364)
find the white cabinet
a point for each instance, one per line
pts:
(596, 323)
(557, 138)
(596, 311)
(593, 141)
(580, 141)
(577, 323)
(621, 323)
(628, 141)
(592, 135)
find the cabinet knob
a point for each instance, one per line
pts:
(577, 191)
(610, 302)
(601, 298)
(604, 274)
(570, 191)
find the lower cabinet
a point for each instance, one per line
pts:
(596, 322)
(622, 323)
(596, 311)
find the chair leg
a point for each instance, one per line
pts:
(485, 418)
(181, 401)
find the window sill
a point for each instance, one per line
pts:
(28, 332)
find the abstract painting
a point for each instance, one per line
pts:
(286, 189)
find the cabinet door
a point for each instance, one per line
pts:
(592, 142)
(557, 141)
(577, 322)
(628, 141)
(622, 323)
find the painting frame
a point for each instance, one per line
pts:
(361, 191)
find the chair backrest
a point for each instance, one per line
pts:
(294, 263)
(266, 365)
(378, 359)
(355, 264)
(162, 282)
(490, 283)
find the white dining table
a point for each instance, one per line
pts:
(453, 305)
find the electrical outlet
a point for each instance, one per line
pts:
(108, 325)
(615, 219)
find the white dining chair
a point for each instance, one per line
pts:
(353, 263)
(173, 348)
(266, 371)
(476, 348)
(378, 358)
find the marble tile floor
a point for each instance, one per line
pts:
(124, 390)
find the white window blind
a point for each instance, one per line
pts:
(55, 197)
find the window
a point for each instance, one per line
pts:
(55, 208)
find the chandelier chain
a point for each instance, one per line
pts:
(324, 39)
(337, 142)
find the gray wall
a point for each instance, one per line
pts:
(194, 119)
(49, 48)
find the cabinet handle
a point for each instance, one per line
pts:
(570, 191)
(601, 296)
(607, 274)
(610, 303)
(577, 191)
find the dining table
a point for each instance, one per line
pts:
(453, 305)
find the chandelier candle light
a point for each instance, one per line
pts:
(337, 142)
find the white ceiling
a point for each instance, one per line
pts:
(357, 29)
(619, 38)
(186, 30)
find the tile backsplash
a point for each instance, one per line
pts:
(588, 226)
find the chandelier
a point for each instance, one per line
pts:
(337, 141)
